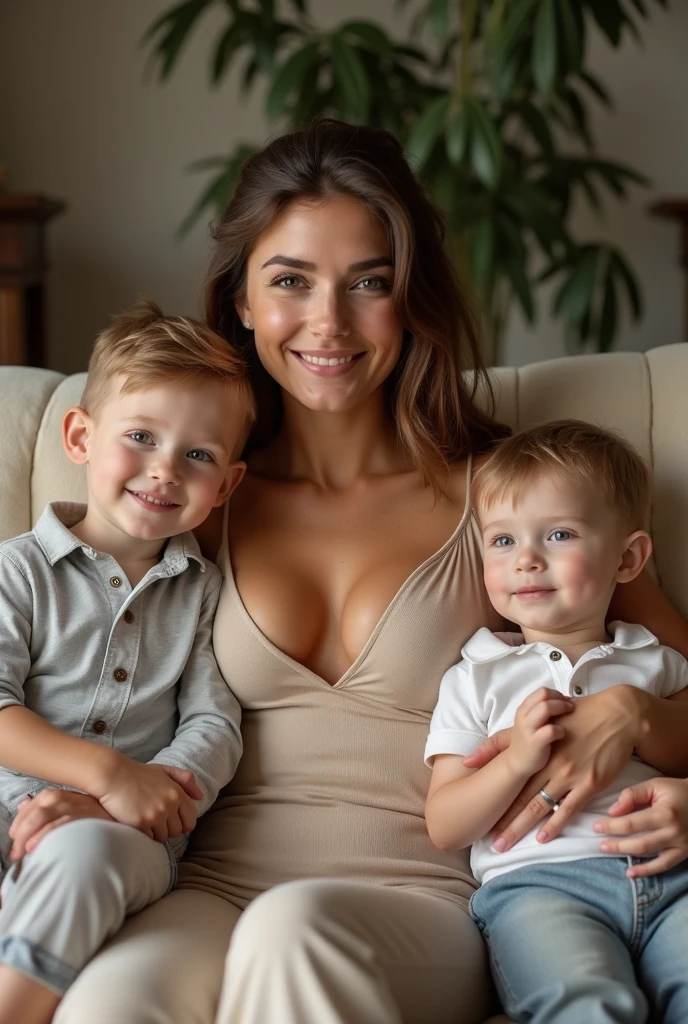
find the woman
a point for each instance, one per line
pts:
(353, 577)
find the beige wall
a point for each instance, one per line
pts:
(79, 121)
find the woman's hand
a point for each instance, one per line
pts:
(601, 733)
(658, 809)
(47, 811)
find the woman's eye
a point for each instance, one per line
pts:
(375, 284)
(560, 535)
(287, 281)
(141, 436)
(503, 542)
(198, 455)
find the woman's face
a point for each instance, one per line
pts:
(319, 300)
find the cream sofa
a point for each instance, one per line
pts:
(643, 396)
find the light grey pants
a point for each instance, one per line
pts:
(74, 892)
(308, 952)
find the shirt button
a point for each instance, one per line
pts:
(99, 726)
(115, 581)
(120, 675)
(578, 690)
(128, 616)
(555, 656)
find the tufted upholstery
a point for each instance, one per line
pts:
(644, 396)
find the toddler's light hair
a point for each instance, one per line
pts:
(573, 451)
(151, 349)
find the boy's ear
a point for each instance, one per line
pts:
(636, 553)
(76, 433)
(233, 477)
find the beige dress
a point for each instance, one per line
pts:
(332, 782)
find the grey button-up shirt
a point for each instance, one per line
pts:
(128, 668)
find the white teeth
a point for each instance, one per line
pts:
(322, 361)
(153, 501)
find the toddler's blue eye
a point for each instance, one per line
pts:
(142, 436)
(561, 535)
(198, 455)
(503, 542)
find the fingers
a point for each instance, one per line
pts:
(36, 838)
(174, 825)
(640, 821)
(488, 750)
(569, 806)
(666, 860)
(544, 698)
(641, 846)
(185, 780)
(534, 812)
(632, 797)
(188, 815)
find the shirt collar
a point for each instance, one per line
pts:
(53, 533)
(485, 646)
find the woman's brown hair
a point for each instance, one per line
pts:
(431, 404)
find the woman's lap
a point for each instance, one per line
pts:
(326, 952)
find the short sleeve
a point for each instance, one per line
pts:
(457, 727)
(675, 674)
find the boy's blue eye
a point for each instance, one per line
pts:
(142, 436)
(198, 455)
(503, 542)
(560, 535)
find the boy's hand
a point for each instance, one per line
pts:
(47, 811)
(534, 732)
(156, 799)
(658, 809)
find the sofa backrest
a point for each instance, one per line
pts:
(644, 396)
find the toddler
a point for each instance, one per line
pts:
(573, 934)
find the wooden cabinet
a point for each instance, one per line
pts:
(22, 277)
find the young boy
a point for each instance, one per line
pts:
(572, 937)
(108, 683)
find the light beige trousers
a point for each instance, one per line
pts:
(308, 952)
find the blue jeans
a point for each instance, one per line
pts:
(579, 943)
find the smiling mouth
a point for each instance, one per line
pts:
(150, 500)
(328, 364)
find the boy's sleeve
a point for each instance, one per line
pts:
(16, 618)
(675, 672)
(207, 741)
(457, 727)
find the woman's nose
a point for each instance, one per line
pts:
(328, 316)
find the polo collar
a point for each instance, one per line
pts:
(53, 533)
(485, 646)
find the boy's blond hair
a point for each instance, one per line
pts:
(569, 450)
(150, 348)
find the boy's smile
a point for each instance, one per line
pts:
(553, 558)
(158, 461)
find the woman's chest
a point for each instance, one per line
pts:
(316, 576)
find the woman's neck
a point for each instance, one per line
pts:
(334, 449)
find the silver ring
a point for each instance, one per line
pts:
(554, 804)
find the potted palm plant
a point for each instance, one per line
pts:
(491, 99)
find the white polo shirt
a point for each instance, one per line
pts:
(481, 695)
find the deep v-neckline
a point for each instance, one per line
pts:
(226, 565)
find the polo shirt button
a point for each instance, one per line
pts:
(578, 690)
(555, 656)
(115, 581)
(99, 726)
(120, 675)
(128, 616)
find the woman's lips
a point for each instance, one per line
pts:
(339, 362)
